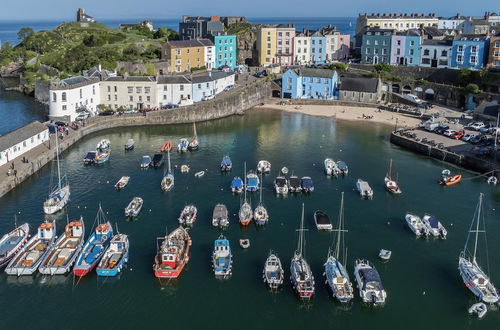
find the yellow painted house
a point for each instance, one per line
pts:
(266, 45)
(183, 55)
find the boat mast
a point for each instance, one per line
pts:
(301, 233)
(261, 189)
(477, 226)
(58, 167)
(389, 172)
(168, 158)
(496, 131)
(194, 128)
(245, 176)
(340, 230)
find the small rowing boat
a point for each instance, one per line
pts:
(199, 174)
(264, 167)
(183, 145)
(447, 179)
(385, 254)
(188, 215)
(322, 221)
(134, 207)
(166, 147)
(245, 243)
(130, 144)
(122, 182)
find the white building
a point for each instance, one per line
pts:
(302, 44)
(71, 96)
(22, 140)
(210, 57)
(205, 87)
(436, 53)
(131, 92)
(398, 22)
(451, 23)
(176, 90)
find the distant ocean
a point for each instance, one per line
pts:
(9, 29)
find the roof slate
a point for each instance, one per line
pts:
(367, 85)
(21, 134)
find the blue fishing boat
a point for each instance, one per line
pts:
(226, 164)
(116, 256)
(222, 259)
(307, 184)
(89, 158)
(237, 185)
(252, 181)
(95, 246)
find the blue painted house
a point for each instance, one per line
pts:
(470, 51)
(376, 46)
(318, 48)
(225, 50)
(412, 51)
(307, 83)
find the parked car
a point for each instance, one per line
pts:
(107, 113)
(83, 116)
(261, 74)
(228, 88)
(143, 110)
(441, 129)
(128, 111)
(412, 98)
(476, 139)
(467, 137)
(170, 106)
(477, 125)
(449, 132)
(208, 97)
(458, 135)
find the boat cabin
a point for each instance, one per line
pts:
(46, 230)
(169, 256)
(371, 279)
(102, 229)
(74, 229)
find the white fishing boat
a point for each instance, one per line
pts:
(62, 255)
(390, 184)
(475, 279)
(188, 215)
(183, 145)
(220, 216)
(331, 167)
(60, 193)
(134, 207)
(26, 262)
(369, 283)
(122, 183)
(264, 167)
(337, 277)
(301, 276)
(364, 189)
(416, 225)
(168, 180)
(103, 145)
(273, 273)
(145, 161)
(434, 226)
(11, 243)
(281, 185)
(260, 214)
(193, 144)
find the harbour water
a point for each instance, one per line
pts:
(17, 110)
(422, 280)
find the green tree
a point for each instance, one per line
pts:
(150, 69)
(24, 33)
(131, 53)
(383, 68)
(472, 89)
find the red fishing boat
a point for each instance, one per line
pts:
(173, 254)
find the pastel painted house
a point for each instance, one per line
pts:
(307, 83)
(376, 46)
(22, 140)
(318, 48)
(469, 51)
(398, 49)
(405, 48)
(225, 51)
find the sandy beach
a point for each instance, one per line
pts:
(348, 113)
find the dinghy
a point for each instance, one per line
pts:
(245, 243)
(130, 144)
(447, 179)
(166, 147)
(199, 174)
(188, 215)
(385, 254)
(479, 308)
(264, 167)
(492, 180)
(102, 157)
(322, 221)
(134, 207)
(122, 182)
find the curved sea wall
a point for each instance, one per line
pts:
(227, 104)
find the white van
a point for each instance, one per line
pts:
(413, 98)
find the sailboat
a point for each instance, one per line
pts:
(12, 243)
(246, 212)
(59, 196)
(301, 275)
(475, 279)
(167, 183)
(193, 144)
(337, 277)
(260, 214)
(391, 184)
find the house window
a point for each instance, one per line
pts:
(140, 98)
(426, 52)
(165, 87)
(181, 87)
(474, 49)
(412, 42)
(199, 86)
(116, 89)
(399, 42)
(376, 42)
(177, 52)
(398, 51)
(131, 98)
(497, 44)
(411, 52)
(473, 59)
(109, 89)
(130, 89)
(64, 107)
(460, 48)
(116, 97)
(81, 93)
(148, 98)
(63, 96)
(367, 50)
(411, 60)
(368, 42)
(444, 53)
(138, 89)
(93, 90)
(147, 90)
(460, 58)
(109, 97)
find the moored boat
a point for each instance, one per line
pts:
(115, 257)
(220, 216)
(62, 255)
(493, 180)
(264, 167)
(157, 160)
(237, 185)
(273, 273)
(390, 184)
(385, 254)
(199, 174)
(284, 170)
(27, 261)
(60, 193)
(244, 243)
(194, 143)
(306, 183)
(322, 221)
(130, 144)
(294, 184)
(94, 247)
(416, 225)
(12, 242)
(364, 189)
(252, 181)
(281, 185)
(343, 168)
(245, 213)
(222, 259)
(183, 145)
(103, 145)
(145, 161)
(448, 179)
(331, 167)
(301, 276)
(226, 164)
(172, 254)
(122, 182)
(479, 308)
(434, 226)
(89, 158)
(475, 279)
(336, 275)
(134, 207)
(260, 214)
(166, 147)
(369, 283)
(168, 180)
(188, 215)
(102, 157)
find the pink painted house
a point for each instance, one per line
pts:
(398, 49)
(284, 43)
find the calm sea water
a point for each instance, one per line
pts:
(9, 29)
(17, 110)
(422, 280)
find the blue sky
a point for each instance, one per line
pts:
(106, 9)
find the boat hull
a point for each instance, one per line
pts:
(51, 209)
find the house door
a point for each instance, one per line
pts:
(434, 63)
(140, 106)
(375, 60)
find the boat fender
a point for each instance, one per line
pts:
(104, 238)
